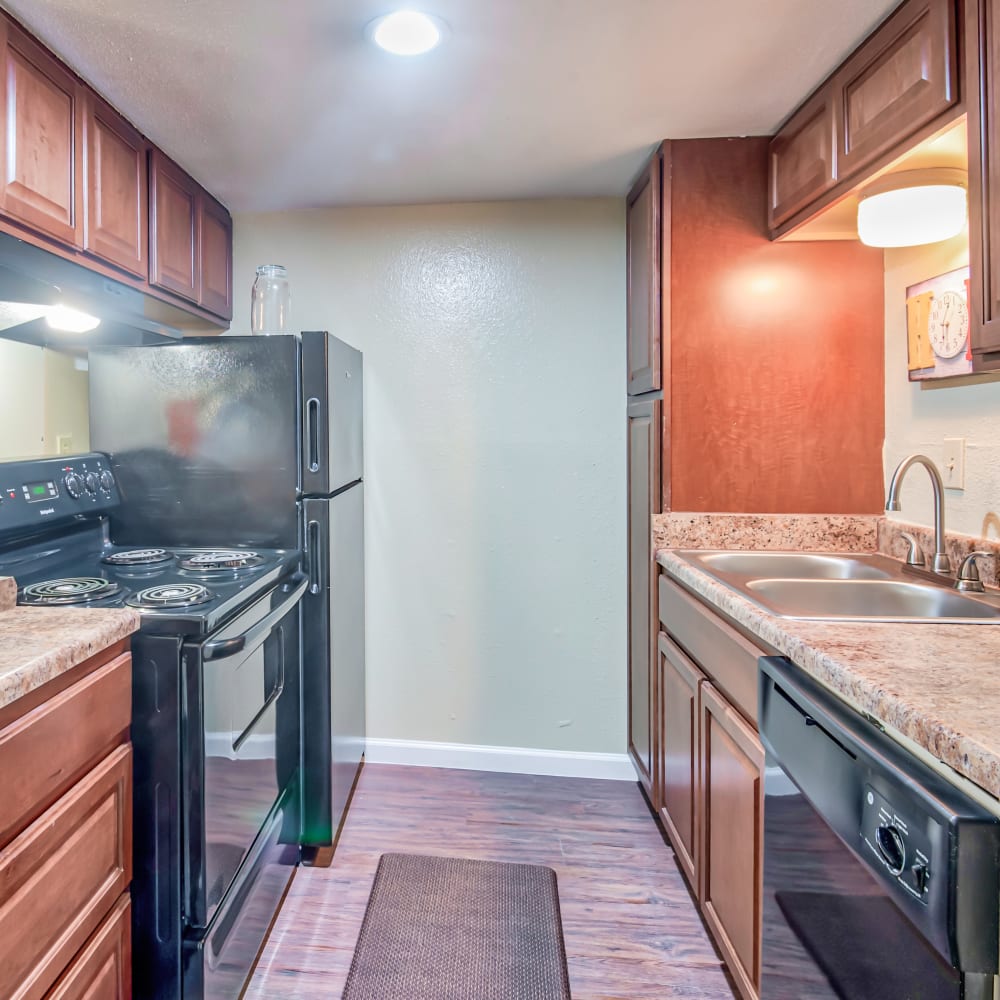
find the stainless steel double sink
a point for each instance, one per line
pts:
(827, 586)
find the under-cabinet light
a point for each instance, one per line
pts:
(68, 320)
(913, 207)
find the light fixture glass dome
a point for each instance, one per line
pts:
(912, 208)
(406, 32)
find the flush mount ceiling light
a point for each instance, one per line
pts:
(68, 320)
(406, 32)
(913, 207)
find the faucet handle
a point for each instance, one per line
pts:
(914, 554)
(967, 578)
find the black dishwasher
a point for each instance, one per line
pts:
(880, 877)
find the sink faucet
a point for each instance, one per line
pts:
(942, 564)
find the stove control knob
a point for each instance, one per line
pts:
(891, 847)
(107, 481)
(74, 485)
(90, 481)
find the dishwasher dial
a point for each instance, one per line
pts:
(891, 847)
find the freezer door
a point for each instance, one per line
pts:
(204, 439)
(333, 694)
(332, 449)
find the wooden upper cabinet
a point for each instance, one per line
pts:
(642, 227)
(174, 224)
(901, 78)
(41, 139)
(116, 189)
(802, 159)
(216, 257)
(983, 89)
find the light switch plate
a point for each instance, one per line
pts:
(953, 466)
(64, 444)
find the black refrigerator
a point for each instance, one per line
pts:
(222, 441)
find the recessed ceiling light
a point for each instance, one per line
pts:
(406, 32)
(71, 320)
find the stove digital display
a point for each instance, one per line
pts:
(35, 492)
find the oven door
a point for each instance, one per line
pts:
(241, 722)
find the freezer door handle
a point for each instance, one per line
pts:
(314, 554)
(313, 434)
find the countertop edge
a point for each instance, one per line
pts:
(38, 645)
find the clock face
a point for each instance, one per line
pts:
(948, 325)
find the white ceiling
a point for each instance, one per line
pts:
(285, 104)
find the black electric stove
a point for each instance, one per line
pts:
(216, 731)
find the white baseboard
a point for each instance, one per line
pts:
(513, 760)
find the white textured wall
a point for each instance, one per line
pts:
(493, 337)
(22, 401)
(918, 420)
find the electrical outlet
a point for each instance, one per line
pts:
(953, 469)
(64, 444)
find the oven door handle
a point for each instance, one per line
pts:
(221, 648)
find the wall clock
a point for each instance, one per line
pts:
(948, 324)
(937, 327)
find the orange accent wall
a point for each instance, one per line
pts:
(775, 383)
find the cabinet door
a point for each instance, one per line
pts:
(678, 683)
(103, 968)
(643, 502)
(983, 97)
(732, 818)
(642, 227)
(40, 142)
(173, 229)
(216, 258)
(802, 159)
(116, 189)
(901, 78)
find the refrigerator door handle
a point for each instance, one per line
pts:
(313, 551)
(313, 413)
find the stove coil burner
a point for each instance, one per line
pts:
(171, 595)
(217, 559)
(138, 557)
(71, 590)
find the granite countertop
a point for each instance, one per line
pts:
(39, 644)
(938, 685)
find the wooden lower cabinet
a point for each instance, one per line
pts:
(66, 836)
(103, 969)
(731, 800)
(678, 684)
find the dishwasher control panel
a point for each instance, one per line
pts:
(897, 842)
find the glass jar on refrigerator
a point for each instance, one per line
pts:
(270, 300)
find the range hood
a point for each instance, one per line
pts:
(33, 280)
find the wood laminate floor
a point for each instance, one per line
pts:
(630, 924)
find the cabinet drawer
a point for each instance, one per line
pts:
(61, 876)
(103, 969)
(46, 750)
(727, 658)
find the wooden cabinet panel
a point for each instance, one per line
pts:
(802, 159)
(983, 96)
(116, 189)
(678, 684)
(216, 258)
(728, 658)
(61, 876)
(70, 733)
(642, 226)
(901, 78)
(732, 814)
(40, 142)
(174, 237)
(643, 502)
(103, 969)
